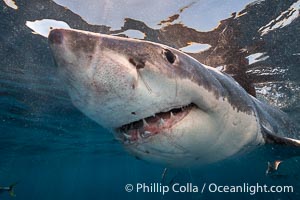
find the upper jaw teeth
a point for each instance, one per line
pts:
(171, 115)
(145, 124)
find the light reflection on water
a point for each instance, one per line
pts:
(198, 14)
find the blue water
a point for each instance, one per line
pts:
(53, 151)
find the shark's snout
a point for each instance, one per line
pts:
(56, 36)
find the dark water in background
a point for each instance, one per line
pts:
(55, 152)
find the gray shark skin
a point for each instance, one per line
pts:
(161, 104)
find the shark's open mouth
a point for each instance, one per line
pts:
(153, 125)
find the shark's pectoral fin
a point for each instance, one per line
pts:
(282, 148)
(271, 138)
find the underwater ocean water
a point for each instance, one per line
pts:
(53, 151)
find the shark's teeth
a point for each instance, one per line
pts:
(140, 129)
(171, 115)
(161, 122)
(127, 136)
(145, 124)
(128, 142)
(146, 134)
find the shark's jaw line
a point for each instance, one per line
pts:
(140, 130)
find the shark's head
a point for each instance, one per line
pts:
(159, 102)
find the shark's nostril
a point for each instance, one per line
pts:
(55, 36)
(132, 61)
(137, 63)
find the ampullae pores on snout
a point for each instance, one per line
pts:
(162, 104)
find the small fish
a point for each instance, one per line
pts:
(9, 189)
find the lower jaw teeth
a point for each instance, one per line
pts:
(146, 134)
(128, 142)
(127, 136)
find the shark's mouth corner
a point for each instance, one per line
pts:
(153, 125)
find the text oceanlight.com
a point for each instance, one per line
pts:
(251, 189)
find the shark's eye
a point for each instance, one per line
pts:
(169, 56)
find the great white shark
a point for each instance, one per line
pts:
(162, 104)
